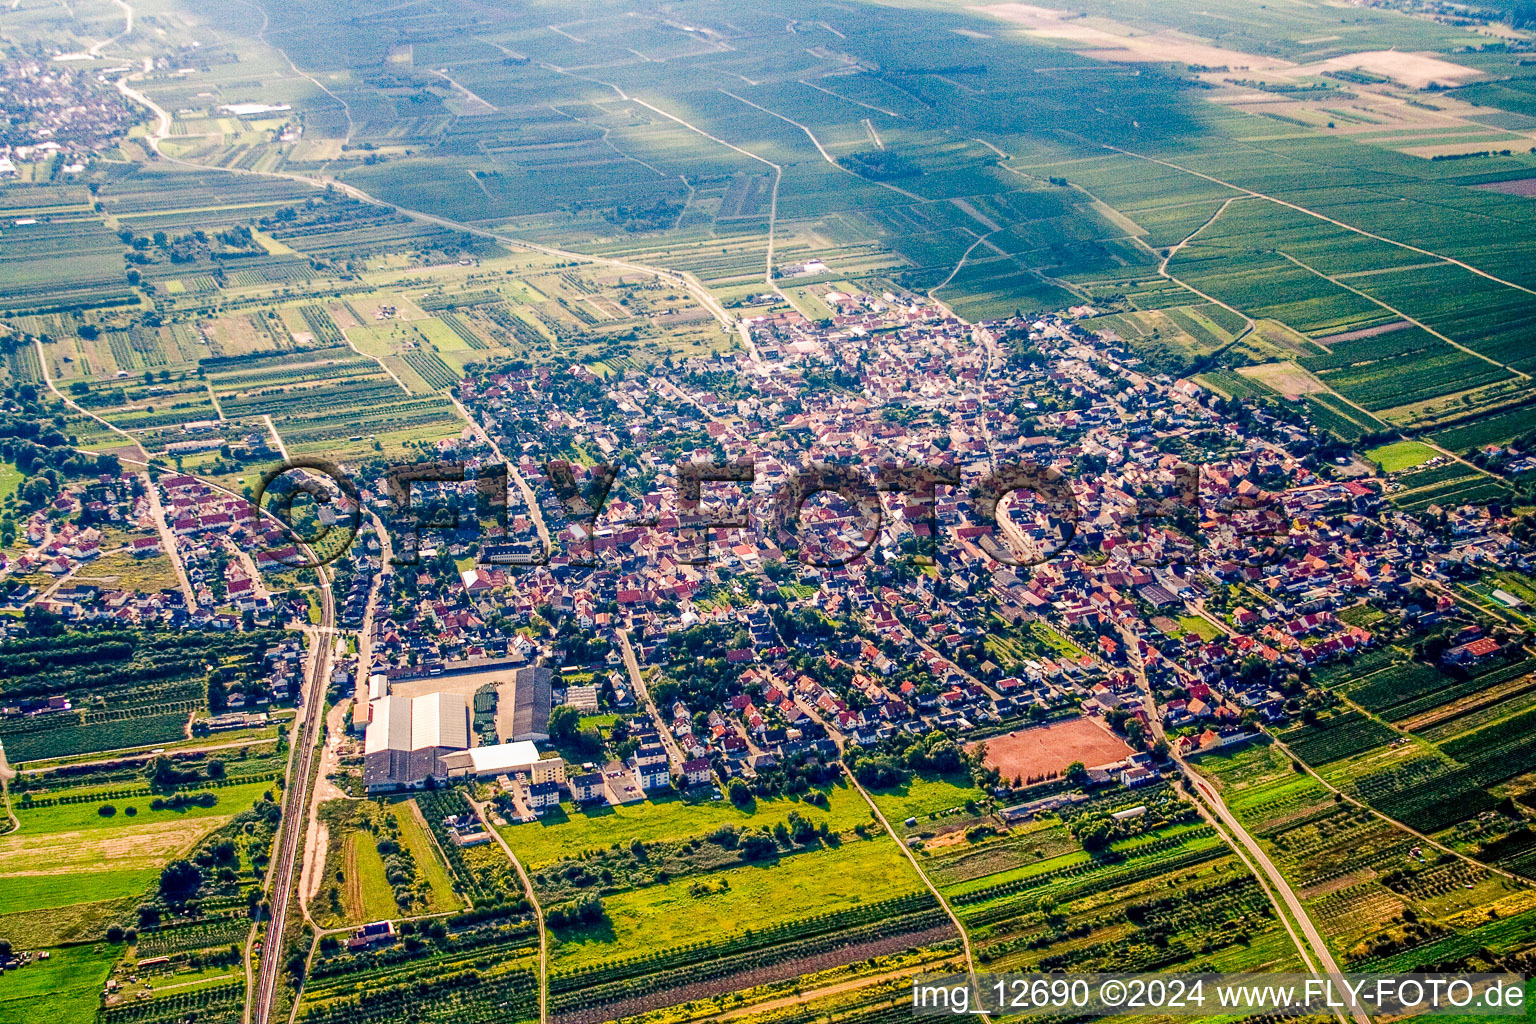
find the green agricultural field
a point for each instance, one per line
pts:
(569, 831)
(1198, 838)
(926, 798)
(429, 863)
(69, 853)
(368, 894)
(65, 924)
(1401, 455)
(1352, 868)
(1517, 583)
(64, 887)
(73, 817)
(64, 989)
(1034, 898)
(66, 739)
(1339, 418)
(728, 902)
(1363, 615)
(381, 863)
(149, 686)
(599, 188)
(1174, 338)
(269, 732)
(11, 479)
(1231, 384)
(1335, 737)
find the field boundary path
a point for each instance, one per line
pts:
(1176, 248)
(778, 170)
(96, 48)
(261, 36)
(1324, 217)
(1208, 799)
(42, 358)
(822, 150)
(277, 438)
(959, 264)
(533, 898)
(1468, 858)
(382, 365)
(1421, 325)
(965, 938)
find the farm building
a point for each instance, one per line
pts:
(408, 736)
(1473, 652)
(380, 932)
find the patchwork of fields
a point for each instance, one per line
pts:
(685, 914)
(1164, 891)
(1428, 748)
(1383, 899)
(1230, 229)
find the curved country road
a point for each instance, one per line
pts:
(533, 898)
(682, 279)
(1319, 947)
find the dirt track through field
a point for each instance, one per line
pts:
(1323, 217)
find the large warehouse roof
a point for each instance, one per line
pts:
(418, 723)
(531, 700)
(407, 735)
(501, 759)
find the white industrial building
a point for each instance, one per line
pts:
(408, 737)
(509, 759)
